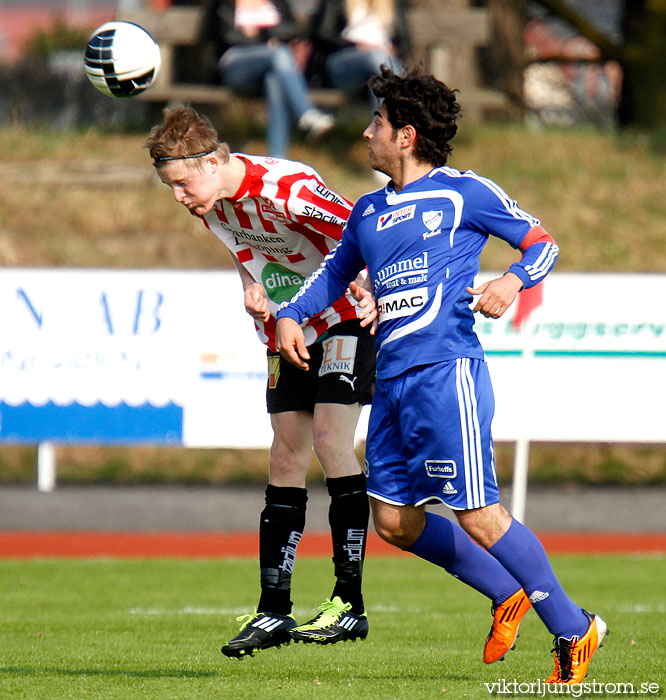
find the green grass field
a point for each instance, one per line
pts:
(146, 629)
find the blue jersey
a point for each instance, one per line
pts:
(422, 247)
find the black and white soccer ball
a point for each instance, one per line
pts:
(121, 59)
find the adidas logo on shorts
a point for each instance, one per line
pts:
(448, 489)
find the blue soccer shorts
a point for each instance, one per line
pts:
(429, 437)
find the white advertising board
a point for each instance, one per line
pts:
(133, 357)
(171, 357)
(589, 365)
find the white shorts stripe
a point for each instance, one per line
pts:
(475, 437)
(463, 430)
(469, 435)
(469, 445)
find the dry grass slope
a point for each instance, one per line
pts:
(92, 200)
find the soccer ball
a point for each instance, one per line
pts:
(121, 59)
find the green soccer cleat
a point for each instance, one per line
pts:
(259, 631)
(333, 624)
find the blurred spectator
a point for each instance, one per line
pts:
(351, 39)
(567, 80)
(251, 44)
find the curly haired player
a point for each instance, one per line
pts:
(429, 437)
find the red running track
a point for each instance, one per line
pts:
(28, 544)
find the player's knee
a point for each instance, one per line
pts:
(288, 465)
(330, 449)
(485, 525)
(475, 531)
(394, 532)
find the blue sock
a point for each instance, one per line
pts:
(446, 544)
(523, 555)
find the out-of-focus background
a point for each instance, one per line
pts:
(563, 105)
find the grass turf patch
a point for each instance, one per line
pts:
(153, 629)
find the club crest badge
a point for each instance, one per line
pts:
(432, 220)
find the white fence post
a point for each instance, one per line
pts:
(519, 489)
(46, 467)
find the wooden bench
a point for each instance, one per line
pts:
(179, 27)
(445, 36)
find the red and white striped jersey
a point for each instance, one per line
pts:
(280, 225)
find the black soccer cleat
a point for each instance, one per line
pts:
(259, 631)
(333, 624)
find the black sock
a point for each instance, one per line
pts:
(280, 530)
(348, 516)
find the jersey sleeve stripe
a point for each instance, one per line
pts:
(509, 204)
(307, 195)
(323, 228)
(286, 183)
(543, 264)
(318, 239)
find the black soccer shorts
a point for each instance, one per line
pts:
(342, 370)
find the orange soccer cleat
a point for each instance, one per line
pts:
(504, 630)
(573, 656)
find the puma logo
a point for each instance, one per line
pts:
(349, 381)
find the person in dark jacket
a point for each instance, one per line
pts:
(351, 39)
(251, 40)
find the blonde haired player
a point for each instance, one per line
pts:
(279, 221)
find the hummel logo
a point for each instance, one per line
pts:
(370, 209)
(538, 596)
(349, 381)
